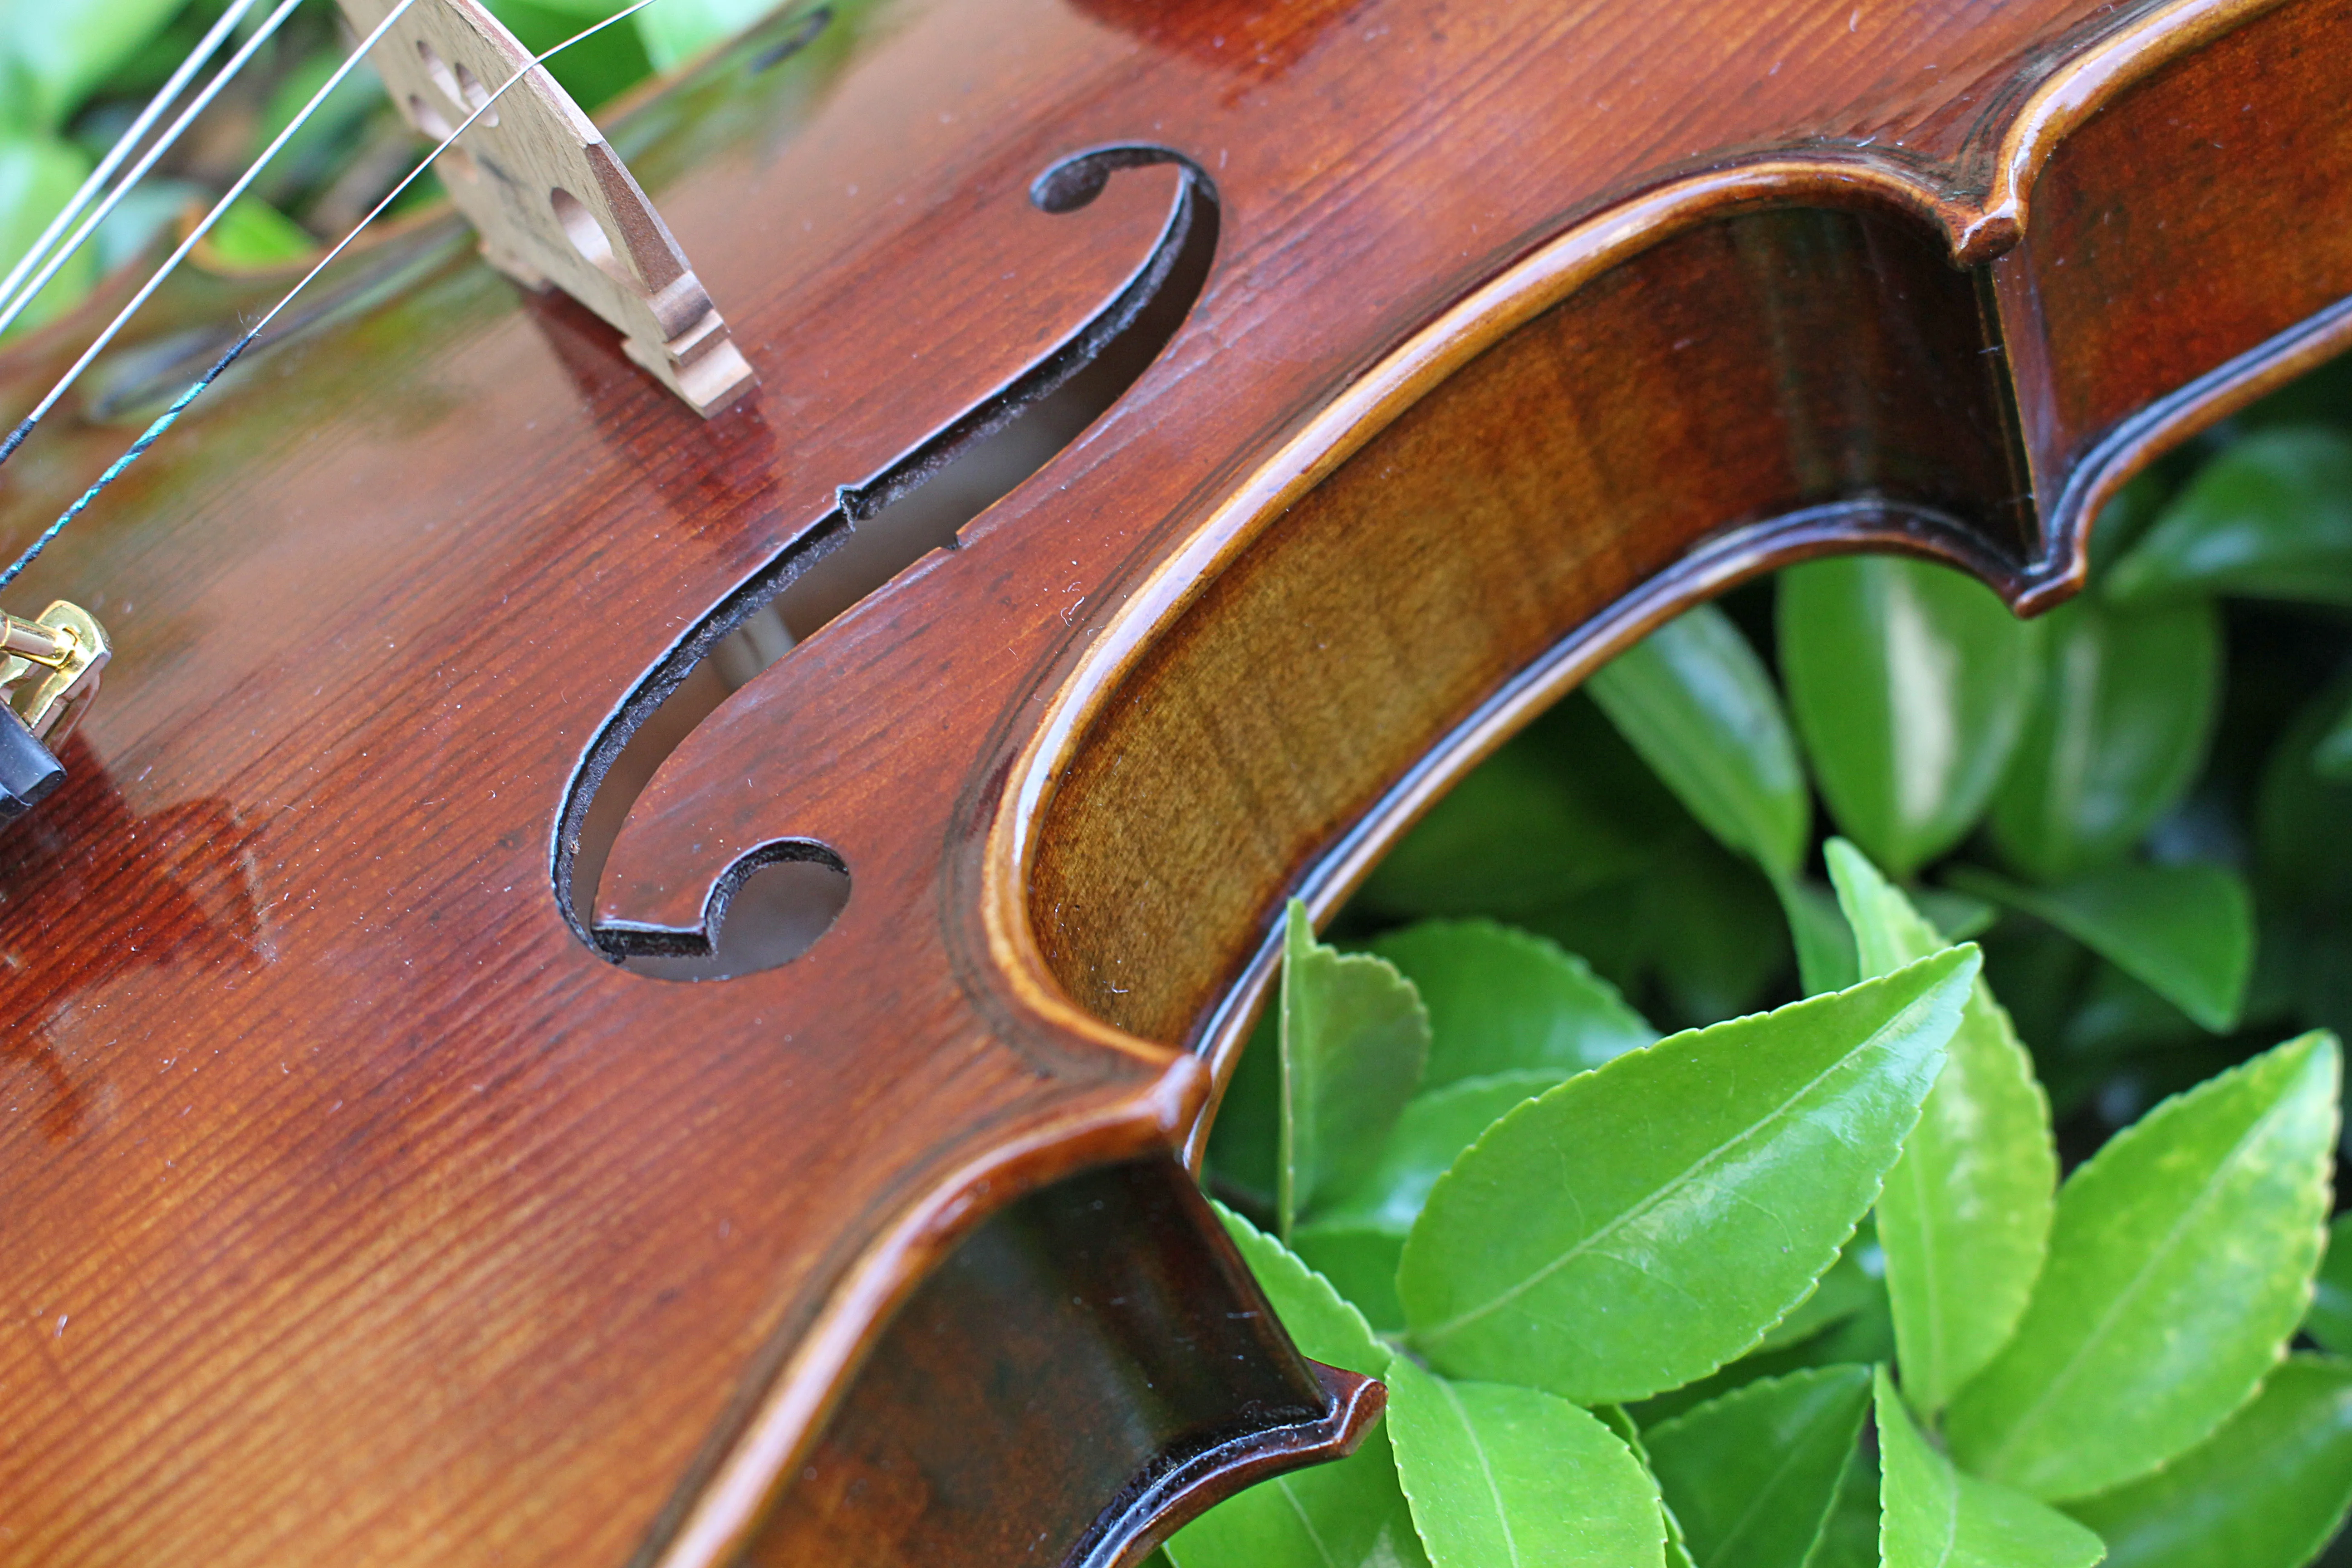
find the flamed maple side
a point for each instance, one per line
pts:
(1802, 333)
(361, 1211)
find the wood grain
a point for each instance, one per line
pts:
(362, 1212)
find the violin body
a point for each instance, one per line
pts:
(376, 1195)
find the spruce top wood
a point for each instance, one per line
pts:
(361, 1209)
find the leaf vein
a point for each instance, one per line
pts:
(1753, 1130)
(1485, 1468)
(2074, 1365)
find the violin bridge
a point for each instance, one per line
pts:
(551, 201)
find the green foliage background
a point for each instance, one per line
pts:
(1801, 1286)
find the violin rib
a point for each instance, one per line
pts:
(364, 1210)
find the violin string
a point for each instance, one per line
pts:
(138, 172)
(10, 304)
(170, 416)
(204, 226)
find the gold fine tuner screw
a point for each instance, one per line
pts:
(49, 668)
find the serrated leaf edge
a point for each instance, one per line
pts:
(1922, 1000)
(2051, 1385)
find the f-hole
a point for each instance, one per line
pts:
(775, 902)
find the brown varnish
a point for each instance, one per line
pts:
(360, 1211)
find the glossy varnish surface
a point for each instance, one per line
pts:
(1545, 480)
(1108, 1396)
(359, 1212)
(2202, 200)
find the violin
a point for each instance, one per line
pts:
(634, 962)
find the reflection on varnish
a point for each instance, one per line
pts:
(176, 884)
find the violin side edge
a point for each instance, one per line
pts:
(1099, 1338)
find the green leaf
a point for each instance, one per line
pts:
(1524, 831)
(1867, 1336)
(2303, 852)
(2121, 522)
(1351, 1513)
(1966, 1214)
(1644, 1223)
(1958, 916)
(2116, 1016)
(322, 144)
(1825, 952)
(677, 30)
(1850, 1286)
(1319, 1320)
(38, 175)
(1849, 1537)
(1500, 1000)
(1361, 1261)
(1825, 955)
(52, 55)
(2317, 397)
(2331, 756)
(1935, 1517)
(2269, 518)
(2265, 1492)
(1359, 1237)
(1608, 929)
(1614, 1418)
(2128, 700)
(1858, 1340)
(2123, 1039)
(253, 234)
(2330, 1322)
(1245, 1139)
(2187, 932)
(1695, 702)
(585, 10)
(1711, 928)
(1500, 1477)
(595, 68)
(1699, 925)
(2180, 1261)
(1354, 1037)
(140, 221)
(1752, 1476)
(1431, 1134)
(1911, 685)
(2325, 985)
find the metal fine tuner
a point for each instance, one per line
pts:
(49, 673)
